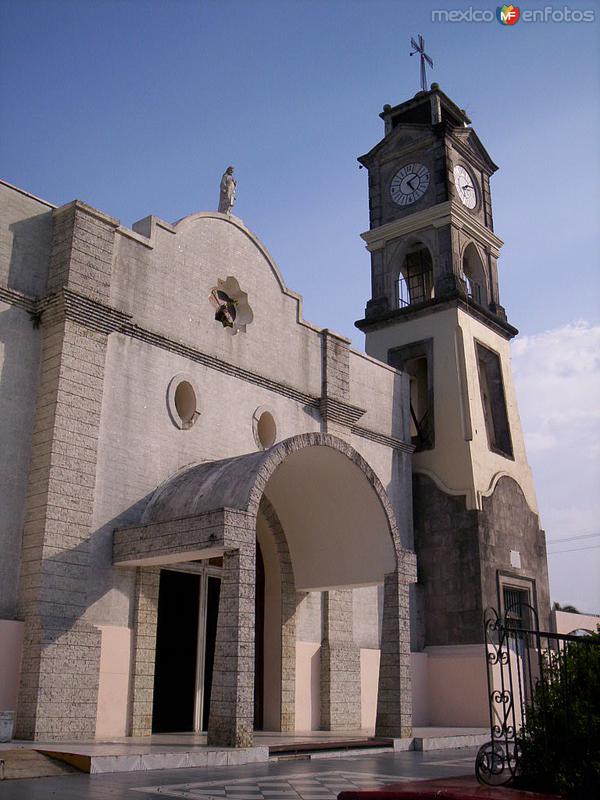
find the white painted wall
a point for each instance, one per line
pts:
(461, 462)
(167, 289)
(19, 361)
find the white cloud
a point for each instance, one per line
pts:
(557, 377)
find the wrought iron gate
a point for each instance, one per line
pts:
(520, 658)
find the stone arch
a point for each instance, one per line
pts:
(239, 483)
(340, 530)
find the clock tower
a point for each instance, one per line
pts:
(435, 313)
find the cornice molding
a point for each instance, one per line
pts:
(84, 208)
(437, 305)
(447, 213)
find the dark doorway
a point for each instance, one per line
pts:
(259, 641)
(176, 652)
(213, 591)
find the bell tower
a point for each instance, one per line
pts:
(435, 313)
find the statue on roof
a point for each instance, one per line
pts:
(227, 193)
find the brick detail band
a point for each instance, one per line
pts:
(338, 411)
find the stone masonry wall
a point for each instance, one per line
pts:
(463, 556)
(340, 664)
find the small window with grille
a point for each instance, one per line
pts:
(516, 606)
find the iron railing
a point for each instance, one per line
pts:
(416, 287)
(522, 663)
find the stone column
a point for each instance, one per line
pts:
(144, 650)
(231, 718)
(394, 698)
(61, 652)
(340, 665)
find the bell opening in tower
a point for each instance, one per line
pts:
(415, 281)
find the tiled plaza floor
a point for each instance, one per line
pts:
(321, 779)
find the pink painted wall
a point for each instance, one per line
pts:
(11, 644)
(458, 686)
(565, 622)
(113, 692)
(308, 669)
(369, 679)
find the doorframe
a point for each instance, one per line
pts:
(204, 572)
(207, 572)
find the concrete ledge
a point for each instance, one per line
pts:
(96, 764)
(449, 742)
(402, 745)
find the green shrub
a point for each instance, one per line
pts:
(560, 740)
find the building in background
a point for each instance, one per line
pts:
(211, 508)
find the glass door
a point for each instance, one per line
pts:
(210, 588)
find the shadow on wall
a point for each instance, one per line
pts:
(105, 578)
(30, 254)
(19, 364)
(89, 564)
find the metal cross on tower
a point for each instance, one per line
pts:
(419, 47)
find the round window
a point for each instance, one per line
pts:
(182, 400)
(265, 428)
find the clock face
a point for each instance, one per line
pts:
(466, 186)
(409, 183)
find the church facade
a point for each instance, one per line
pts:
(217, 516)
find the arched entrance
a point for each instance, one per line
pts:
(339, 530)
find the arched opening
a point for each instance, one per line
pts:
(336, 528)
(474, 275)
(415, 279)
(313, 513)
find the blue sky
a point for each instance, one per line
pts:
(137, 106)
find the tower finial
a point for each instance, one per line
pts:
(419, 47)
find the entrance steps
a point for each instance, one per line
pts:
(185, 751)
(328, 748)
(22, 763)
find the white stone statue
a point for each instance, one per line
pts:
(227, 195)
